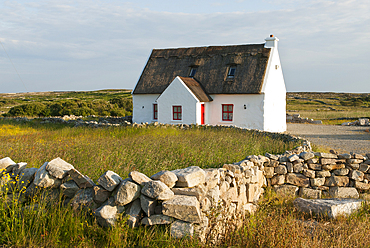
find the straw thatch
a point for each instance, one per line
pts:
(212, 65)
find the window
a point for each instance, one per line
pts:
(227, 112)
(193, 70)
(177, 112)
(155, 111)
(231, 72)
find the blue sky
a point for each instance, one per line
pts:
(60, 45)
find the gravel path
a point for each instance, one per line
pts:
(341, 138)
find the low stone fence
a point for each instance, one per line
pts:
(359, 122)
(296, 118)
(314, 175)
(182, 198)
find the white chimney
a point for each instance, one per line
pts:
(271, 41)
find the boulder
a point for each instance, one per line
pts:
(69, 188)
(297, 179)
(139, 177)
(157, 219)
(109, 180)
(100, 194)
(343, 192)
(340, 181)
(281, 170)
(199, 192)
(81, 180)
(319, 181)
(58, 168)
(286, 190)
(190, 177)
(325, 155)
(269, 172)
(134, 213)
(148, 205)
(181, 229)
(167, 177)
(26, 177)
(83, 199)
(356, 175)
(306, 155)
(309, 173)
(182, 207)
(5, 163)
(157, 190)
(293, 157)
(316, 167)
(364, 167)
(361, 185)
(327, 207)
(310, 193)
(127, 192)
(323, 173)
(341, 172)
(106, 215)
(278, 180)
(44, 180)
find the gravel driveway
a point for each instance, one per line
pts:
(341, 138)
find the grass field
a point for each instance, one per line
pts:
(120, 149)
(328, 106)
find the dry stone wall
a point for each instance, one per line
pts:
(186, 198)
(182, 198)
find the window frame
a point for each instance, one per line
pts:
(229, 74)
(230, 114)
(192, 69)
(155, 111)
(177, 112)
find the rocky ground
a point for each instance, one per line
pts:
(341, 138)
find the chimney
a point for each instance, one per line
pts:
(271, 41)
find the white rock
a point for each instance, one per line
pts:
(58, 168)
(139, 177)
(127, 192)
(186, 208)
(157, 219)
(181, 229)
(328, 207)
(190, 177)
(157, 190)
(109, 180)
(167, 177)
(44, 180)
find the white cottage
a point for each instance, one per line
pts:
(240, 85)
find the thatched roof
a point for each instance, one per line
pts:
(197, 89)
(212, 64)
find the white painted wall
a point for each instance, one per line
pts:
(274, 91)
(251, 117)
(143, 107)
(177, 93)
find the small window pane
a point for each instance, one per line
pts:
(192, 72)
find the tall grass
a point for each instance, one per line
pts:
(123, 149)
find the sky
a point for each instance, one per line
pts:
(74, 45)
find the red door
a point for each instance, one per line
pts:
(202, 114)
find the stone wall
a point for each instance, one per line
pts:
(316, 175)
(182, 198)
(296, 118)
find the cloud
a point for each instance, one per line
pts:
(82, 45)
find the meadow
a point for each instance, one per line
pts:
(120, 149)
(331, 108)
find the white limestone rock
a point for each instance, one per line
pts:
(106, 215)
(81, 180)
(58, 168)
(344, 192)
(139, 177)
(157, 190)
(186, 208)
(44, 180)
(127, 192)
(69, 188)
(190, 177)
(181, 229)
(148, 205)
(167, 177)
(157, 219)
(286, 190)
(134, 213)
(5, 163)
(328, 207)
(109, 180)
